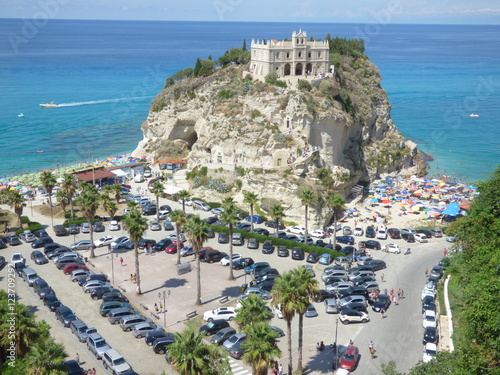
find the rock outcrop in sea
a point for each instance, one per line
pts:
(327, 134)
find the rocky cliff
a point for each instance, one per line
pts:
(328, 133)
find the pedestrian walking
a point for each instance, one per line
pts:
(395, 300)
(280, 369)
(351, 342)
(382, 313)
(121, 261)
(399, 294)
(426, 272)
(372, 349)
(131, 278)
(156, 308)
(402, 293)
(77, 358)
(135, 278)
(161, 306)
(382, 277)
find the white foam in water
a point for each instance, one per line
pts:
(77, 104)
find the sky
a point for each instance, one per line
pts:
(329, 11)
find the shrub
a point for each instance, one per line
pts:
(25, 219)
(226, 94)
(304, 85)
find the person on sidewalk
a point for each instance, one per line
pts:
(371, 347)
(121, 261)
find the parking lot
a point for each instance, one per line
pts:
(403, 325)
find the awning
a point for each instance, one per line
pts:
(119, 172)
(172, 189)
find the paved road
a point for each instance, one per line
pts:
(397, 337)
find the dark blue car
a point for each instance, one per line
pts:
(348, 240)
(257, 219)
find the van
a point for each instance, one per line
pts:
(97, 345)
(139, 178)
(115, 362)
(29, 275)
(115, 315)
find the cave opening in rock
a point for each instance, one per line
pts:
(184, 130)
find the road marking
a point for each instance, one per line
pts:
(237, 368)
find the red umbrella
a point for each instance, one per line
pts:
(387, 201)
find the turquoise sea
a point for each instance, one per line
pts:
(105, 74)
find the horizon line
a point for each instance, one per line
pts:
(305, 22)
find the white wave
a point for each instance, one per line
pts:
(91, 102)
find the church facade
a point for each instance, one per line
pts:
(295, 57)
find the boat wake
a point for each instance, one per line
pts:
(92, 102)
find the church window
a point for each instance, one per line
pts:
(288, 55)
(319, 55)
(300, 54)
(309, 55)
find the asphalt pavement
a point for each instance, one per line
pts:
(397, 337)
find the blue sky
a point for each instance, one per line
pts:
(334, 11)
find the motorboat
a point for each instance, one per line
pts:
(20, 115)
(49, 105)
(474, 115)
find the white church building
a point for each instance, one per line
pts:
(297, 57)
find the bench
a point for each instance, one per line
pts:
(191, 314)
(224, 299)
(153, 314)
(143, 306)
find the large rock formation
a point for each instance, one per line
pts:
(256, 136)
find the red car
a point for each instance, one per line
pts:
(68, 268)
(349, 359)
(172, 248)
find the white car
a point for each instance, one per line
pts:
(420, 237)
(277, 312)
(148, 173)
(187, 202)
(382, 234)
(113, 225)
(318, 233)
(429, 319)
(226, 313)
(199, 205)
(225, 261)
(430, 351)
(296, 230)
(104, 241)
(17, 258)
(358, 231)
(173, 237)
(393, 248)
(154, 225)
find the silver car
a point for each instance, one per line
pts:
(331, 306)
(234, 339)
(129, 322)
(142, 329)
(92, 284)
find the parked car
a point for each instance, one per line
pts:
(274, 224)
(313, 258)
(370, 232)
(438, 233)
(370, 244)
(38, 257)
(247, 227)
(154, 225)
(331, 306)
(429, 319)
(225, 261)
(325, 259)
(394, 233)
(127, 323)
(213, 256)
(234, 339)
(214, 326)
(223, 238)
(283, 251)
(154, 335)
(98, 227)
(222, 335)
(420, 237)
(97, 345)
(382, 234)
(81, 245)
(408, 237)
(252, 243)
(256, 267)
(68, 268)
(227, 313)
(358, 231)
(160, 344)
(383, 301)
(65, 315)
(353, 316)
(348, 240)
(241, 263)
(262, 231)
(60, 230)
(80, 330)
(41, 242)
(430, 352)
(104, 241)
(237, 239)
(122, 243)
(430, 335)
(114, 225)
(268, 247)
(13, 240)
(51, 301)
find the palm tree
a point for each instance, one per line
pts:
(110, 207)
(277, 213)
(49, 181)
(250, 198)
(190, 356)
(261, 349)
(68, 186)
(183, 195)
(115, 190)
(157, 189)
(197, 231)
(17, 203)
(228, 216)
(307, 197)
(252, 311)
(46, 357)
(179, 218)
(26, 333)
(89, 202)
(284, 295)
(136, 226)
(337, 203)
(62, 198)
(307, 287)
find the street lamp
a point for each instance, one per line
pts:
(113, 255)
(335, 361)
(165, 295)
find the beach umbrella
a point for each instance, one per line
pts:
(386, 201)
(374, 200)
